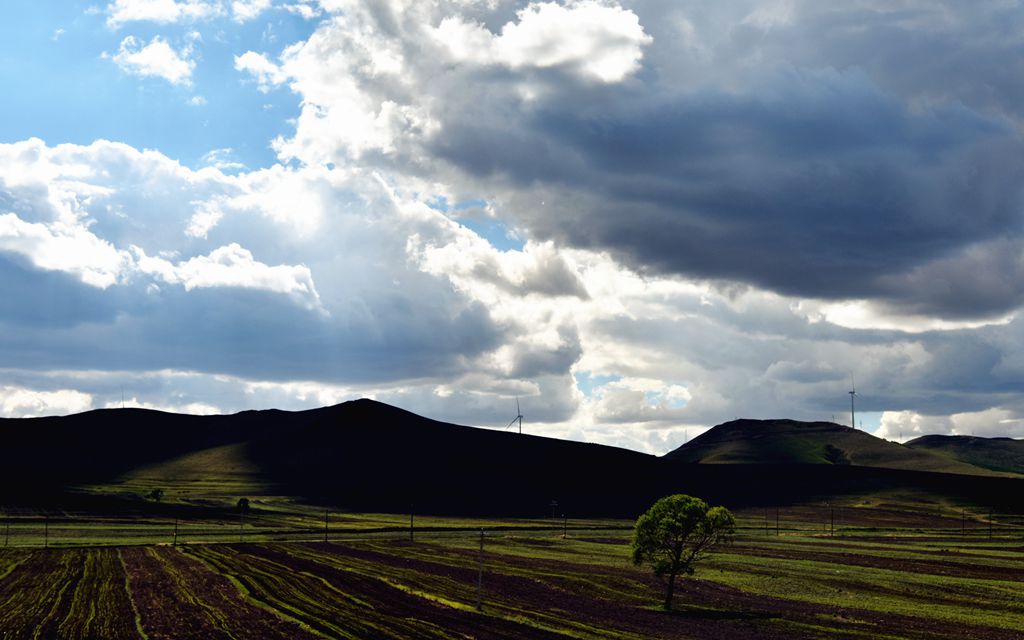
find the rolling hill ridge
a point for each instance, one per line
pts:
(365, 455)
(794, 442)
(995, 454)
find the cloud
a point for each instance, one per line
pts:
(222, 274)
(746, 142)
(221, 159)
(60, 247)
(155, 60)
(305, 8)
(245, 10)
(595, 40)
(120, 12)
(268, 75)
(27, 403)
(233, 266)
(721, 211)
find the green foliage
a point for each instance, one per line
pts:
(156, 495)
(243, 505)
(835, 455)
(677, 532)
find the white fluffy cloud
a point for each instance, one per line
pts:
(245, 10)
(233, 266)
(120, 12)
(597, 40)
(27, 403)
(157, 59)
(60, 247)
(266, 73)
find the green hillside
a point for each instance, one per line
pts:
(794, 442)
(997, 454)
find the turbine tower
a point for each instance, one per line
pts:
(853, 394)
(519, 418)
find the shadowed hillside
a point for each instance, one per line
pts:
(996, 454)
(794, 442)
(365, 455)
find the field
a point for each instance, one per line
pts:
(864, 572)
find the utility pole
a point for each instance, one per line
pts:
(565, 526)
(175, 532)
(46, 531)
(480, 573)
(7, 530)
(766, 521)
(963, 521)
(411, 522)
(325, 525)
(776, 522)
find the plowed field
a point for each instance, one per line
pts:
(533, 586)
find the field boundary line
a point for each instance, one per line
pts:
(131, 599)
(249, 597)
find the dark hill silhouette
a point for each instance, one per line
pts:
(825, 443)
(371, 456)
(996, 454)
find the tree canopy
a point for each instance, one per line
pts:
(675, 533)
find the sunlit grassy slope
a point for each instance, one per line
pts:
(794, 442)
(997, 454)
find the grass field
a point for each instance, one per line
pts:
(887, 573)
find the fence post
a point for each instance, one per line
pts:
(46, 530)
(175, 532)
(565, 526)
(325, 524)
(776, 522)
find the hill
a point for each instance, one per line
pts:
(362, 454)
(996, 454)
(795, 442)
(365, 455)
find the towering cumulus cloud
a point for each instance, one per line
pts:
(642, 218)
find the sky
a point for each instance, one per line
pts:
(640, 218)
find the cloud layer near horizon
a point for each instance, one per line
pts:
(722, 211)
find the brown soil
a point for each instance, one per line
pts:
(706, 609)
(177, 597)
(930, 567)
(395, 605)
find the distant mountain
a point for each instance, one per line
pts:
(794, 442)
(996, 454)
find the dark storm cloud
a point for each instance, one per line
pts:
(818, 169)
(258, 335)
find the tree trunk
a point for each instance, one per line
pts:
(669, 589)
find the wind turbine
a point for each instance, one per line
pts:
(853, 394)
(519, 417)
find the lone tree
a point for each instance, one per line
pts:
(675, 533)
